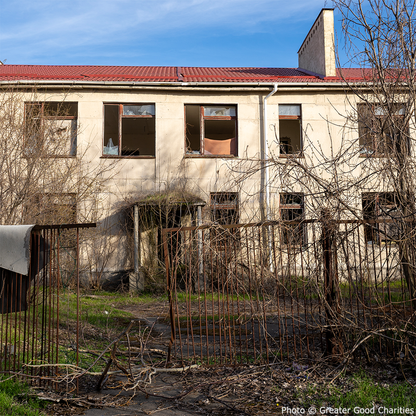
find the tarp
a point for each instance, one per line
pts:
(15, 248)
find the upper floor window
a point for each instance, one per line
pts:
(382, 129)
(290, 129)
(292, 209)
(51, 128)
(129, 130)
(211, 130)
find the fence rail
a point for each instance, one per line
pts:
(288, 290)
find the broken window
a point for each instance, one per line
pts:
(129, 130)
(51, 128)
(382, 129)
(224, 211)
(290, 129)
(211, 130)
(292, 209)
(384, 208)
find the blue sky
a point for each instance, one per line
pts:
(266, 33)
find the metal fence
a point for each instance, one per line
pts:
(288, 290)
(32, 324)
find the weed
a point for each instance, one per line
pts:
(364, 392)
(15, 399)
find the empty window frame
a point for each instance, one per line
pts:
(382, 129)
(51, 128)
(129, 130)
(292, 209)
(224, 211)
(290, 129)
(211, 130)
(381, 207)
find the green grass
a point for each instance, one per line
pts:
(363, 392)
(15, 399)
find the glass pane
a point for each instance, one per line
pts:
(219, 111)
(289, 110)
(139, 110)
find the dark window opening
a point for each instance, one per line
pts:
(51, 128)
(224, 211)
(211, 130)
(290, 129)
(382, 130)
(129, 130)
(292, 209)
(382, 207)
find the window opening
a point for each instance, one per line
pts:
(224, 211)
(382, 130)
(290, 129)
(381, 206)
(292, 209)
(211, 130)
(129, 130)
(51, 128)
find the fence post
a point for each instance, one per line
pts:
(328, 237)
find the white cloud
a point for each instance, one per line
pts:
(46, 24)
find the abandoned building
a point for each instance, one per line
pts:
(195, 140)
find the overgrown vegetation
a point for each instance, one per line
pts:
(17, 399)
(359, 390)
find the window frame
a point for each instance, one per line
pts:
(378, 232)
(202, 119)
(375, 136)
(300, 241)
(227, 236)
(121, 116)
(73, 145)
(290, 117)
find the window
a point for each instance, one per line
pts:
(290, 129)
(292, 209)
(224, 211)
(380, 206)
(211, 130)
(129, 130)
(51, 128)
(382, 130)
(52, 208)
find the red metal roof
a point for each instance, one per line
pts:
(164, 74)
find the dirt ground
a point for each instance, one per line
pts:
(243, 390)
(217, 390)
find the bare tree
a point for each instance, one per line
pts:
(379, 37)
(46, 176)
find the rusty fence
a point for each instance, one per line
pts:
(289, 290)
(39, 325)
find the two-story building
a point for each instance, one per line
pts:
(220, 136)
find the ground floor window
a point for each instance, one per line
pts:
(381, 206)
(292, 209)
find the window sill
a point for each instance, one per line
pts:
(126, 157)
(51, 156)
(291, 155)
(194, 156)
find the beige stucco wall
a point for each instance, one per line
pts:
(325, 133)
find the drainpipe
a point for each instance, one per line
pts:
(266, 171)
